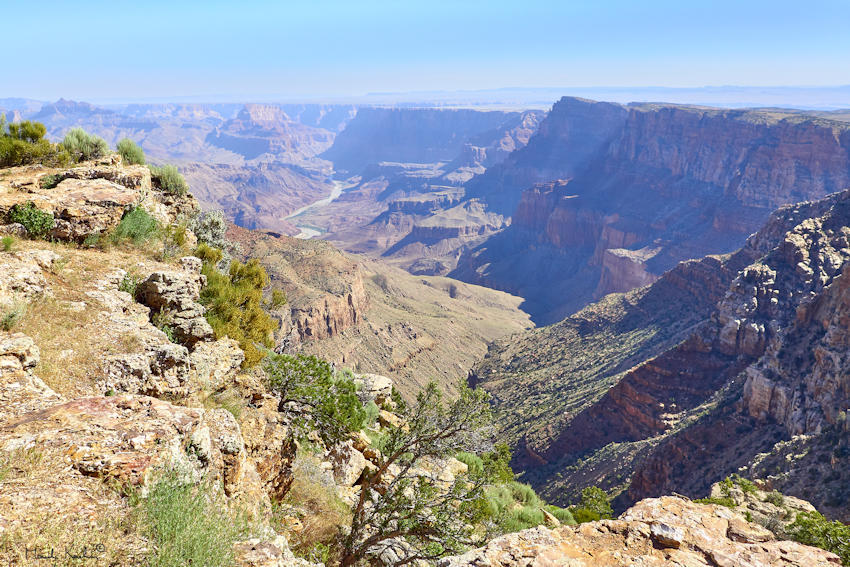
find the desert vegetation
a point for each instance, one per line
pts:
(82, 146)
(169, 180)
(130, 152)
(234, 302)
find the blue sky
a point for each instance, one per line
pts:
(252, 49)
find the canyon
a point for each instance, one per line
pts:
(726, 364)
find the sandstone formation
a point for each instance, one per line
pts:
(605, 197)
(658, 531)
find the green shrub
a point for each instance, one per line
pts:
(564, 516)
(24, 143)
(129, 283)
(189, 525)
(278, 298)
(497, 464)
(812, 528)
(234, 304)
(208, 254)
(38, 223)
(474, 464)
(12, 315)
(83, 146)
(136, 226)
(130, 152)
(51, 181)
(775, 497)
(336, 410)
(164, 321)
(169, 180)
(595, 505)
(523, 494)
(372, 411)
(8, 242)
(27, 131)
(515, 506)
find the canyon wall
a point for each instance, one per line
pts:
(427, 136)
(755, 382)
(640, 188)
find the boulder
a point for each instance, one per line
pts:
(348, 463)
(129, 438)
(174, 293)
(273, 552)
(654, 532)
(213, 363)
(373, 388)
(22, 274)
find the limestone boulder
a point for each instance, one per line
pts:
(348, 463)
(175, 293)
(129, 438)
(22, 275)
(272, 552)
(373, 388)
(654, 532)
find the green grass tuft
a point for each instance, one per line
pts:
(137, 226)
(189, 525)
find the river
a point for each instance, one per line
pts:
(308, 231)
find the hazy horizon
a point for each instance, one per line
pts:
(332, 50)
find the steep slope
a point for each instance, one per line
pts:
(374, 318)
(711, 388)
(625, 193)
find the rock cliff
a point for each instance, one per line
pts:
(96, 401)
(740, 355)
(643, 187)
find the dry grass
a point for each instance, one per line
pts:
(314, 500)
(44, 510)
(67, 325)
(229, 399)
(110, 539)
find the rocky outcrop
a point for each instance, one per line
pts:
(90, 199)
(22, 275)
(643, 187)
(662, 531)
(174, 296)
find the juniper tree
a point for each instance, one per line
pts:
(401, 507)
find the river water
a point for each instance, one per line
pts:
(308, 231)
